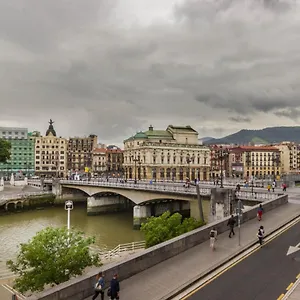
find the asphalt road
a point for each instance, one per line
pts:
(264, 275)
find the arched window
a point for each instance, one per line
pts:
(162, 173)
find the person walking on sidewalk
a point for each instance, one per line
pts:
(99, 286)
(114, 289)
(213, 236)
(260, 235)
(231, 223)
(260, 212)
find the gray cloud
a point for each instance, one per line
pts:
(292, 113)
(112, 68)
(240, 119)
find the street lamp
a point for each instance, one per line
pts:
(136, 160)
(69, 207)
(221, 154)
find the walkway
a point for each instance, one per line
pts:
(161, 280)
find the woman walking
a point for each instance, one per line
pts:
(260, 212)
(99, 286)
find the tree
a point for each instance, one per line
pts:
(52, 256)
(167, 226)
(5, 147)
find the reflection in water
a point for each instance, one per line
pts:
(109, 230)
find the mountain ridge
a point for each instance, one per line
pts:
(268, 135)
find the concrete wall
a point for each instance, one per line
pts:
(82, 287)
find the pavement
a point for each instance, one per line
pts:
(264, 275)
(160, 281)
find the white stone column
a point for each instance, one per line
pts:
(140, 215)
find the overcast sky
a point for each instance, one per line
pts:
(113, 67)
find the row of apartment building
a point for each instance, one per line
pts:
(171, 154)
(54, 156)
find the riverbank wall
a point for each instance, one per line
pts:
(38, 202)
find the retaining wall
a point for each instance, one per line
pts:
(82, 287)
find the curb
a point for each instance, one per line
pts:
(291, 291)
(202, 275)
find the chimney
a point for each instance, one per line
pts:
(150, 128)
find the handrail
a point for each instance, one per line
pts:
(121, 248)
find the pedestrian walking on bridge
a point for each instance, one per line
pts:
(231, 223)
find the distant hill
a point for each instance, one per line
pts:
(205, 139)
(267, 135)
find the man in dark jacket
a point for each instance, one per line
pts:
(114, 288)
(231, 223)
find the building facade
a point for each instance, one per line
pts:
(50, 154)
(171, 154)
(290, 157)
(22, 159)
(80, 153)
(99, 161)
(219, 161)
(114, 160)
(261, 162)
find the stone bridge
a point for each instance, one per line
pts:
(137, 193)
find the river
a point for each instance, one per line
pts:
(109, 230)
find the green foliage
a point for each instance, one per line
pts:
(5, 147)
(167, 226)
(52, 257)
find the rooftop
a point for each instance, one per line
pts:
(256, 148)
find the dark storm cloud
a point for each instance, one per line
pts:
(113, 68)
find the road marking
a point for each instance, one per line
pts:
(290, 285)
(280, 297)
(298, 276)
(253, 249)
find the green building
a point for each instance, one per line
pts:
(22, 160)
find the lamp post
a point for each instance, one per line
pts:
(222, 153)
(68, 208)
(136, 160)
(239, 215)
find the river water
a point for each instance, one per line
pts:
(109, 230)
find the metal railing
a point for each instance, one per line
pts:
(119, 250)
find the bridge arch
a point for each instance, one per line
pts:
(10, 206)
(113, 193)
(66, 189)
(19, 205)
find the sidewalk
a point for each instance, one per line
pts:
(161, 280)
